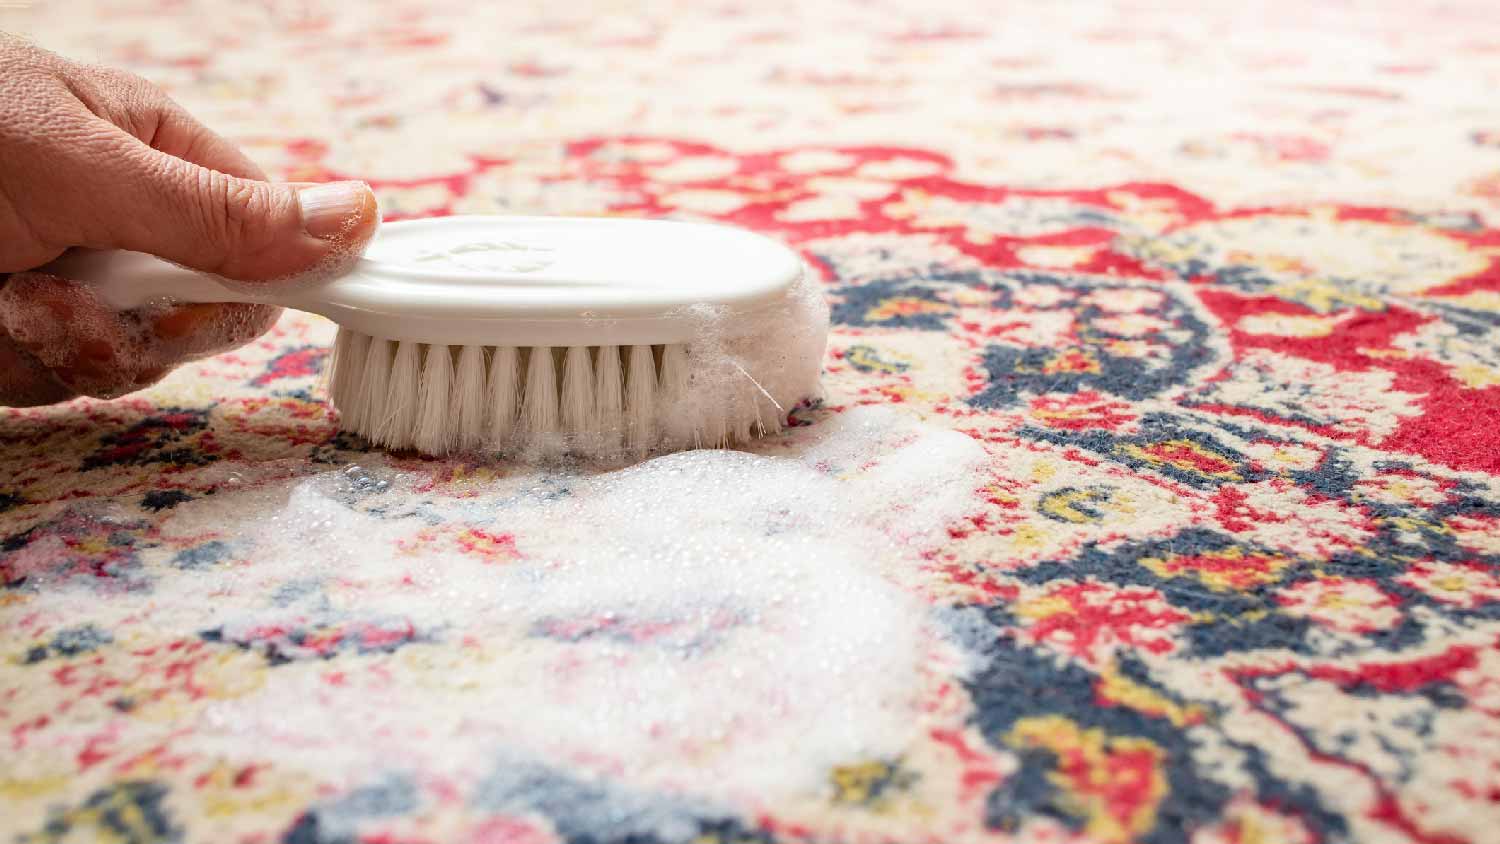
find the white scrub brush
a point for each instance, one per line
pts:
(541, 335)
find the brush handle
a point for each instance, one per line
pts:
(502, 281)
(126, 280)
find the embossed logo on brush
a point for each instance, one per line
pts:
(507, 256)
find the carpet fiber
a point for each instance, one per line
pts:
(1155, 496)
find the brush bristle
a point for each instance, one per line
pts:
(468, 404)
(400, 426)
(604, 400)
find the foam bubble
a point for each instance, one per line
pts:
(717, 624)
(97, 351)
(765, 361)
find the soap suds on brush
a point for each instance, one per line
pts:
(747, 371)
(720, 625)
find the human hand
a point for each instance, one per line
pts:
(102, 159)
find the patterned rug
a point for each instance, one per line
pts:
(1155, 496)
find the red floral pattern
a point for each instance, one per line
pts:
(1216, 290)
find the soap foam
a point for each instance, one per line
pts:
(750, 370)
(98, 351)
(721, 625)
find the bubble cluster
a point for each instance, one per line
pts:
(95, 350)
(718, 624)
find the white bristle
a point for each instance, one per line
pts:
(406, 382)
(640, 398)
(680, 429)
(345, 369)
(469, 398)
(768, 413)
(504, 391)
(754, 423)
(609, 398)
(373, 390)
(577, 391)
(539, 407)
(434, 432)
(713, 430)
(439, 399)
(767, 417)
(741, 416)
(332, 370)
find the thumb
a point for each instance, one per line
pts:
(234, 227)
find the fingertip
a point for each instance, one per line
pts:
(368, 219)
(338, 221)
(338, 211)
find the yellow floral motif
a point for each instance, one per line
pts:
(1028, 537)
(1127, 692)
(1074, 506)
(1414, 524)
(12, 788)
(1455, 583)
(120, 814)
(899, 306)
(1043, 471)
(1222, 570)
(1066, 360)
(1248, 822)
(1128, 348)
(1183, 455)
(869, 783)
(1156, 250)
(1276, 263)
(1000, 496)
(1043, 607)
(1324, 296)
(1394, 488)
(870, 359)
(1114, 784)
(465, 480)
(228, 791)
(1477, 377)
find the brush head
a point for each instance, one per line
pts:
(536, 337)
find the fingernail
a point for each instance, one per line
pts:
(328, 209)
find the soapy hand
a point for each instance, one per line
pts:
(98, 158)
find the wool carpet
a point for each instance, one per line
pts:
(1155, 496)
